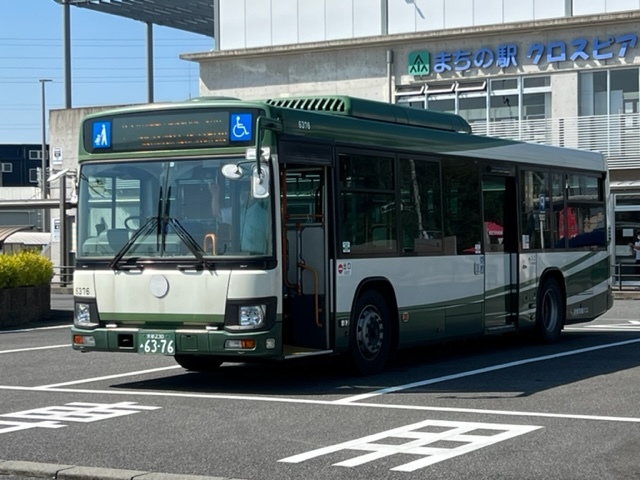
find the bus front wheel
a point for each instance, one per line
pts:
(370, 342)
(196, 363)
(550, 311)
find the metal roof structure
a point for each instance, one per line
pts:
(195, 16)
(7, 231)
(29, 239)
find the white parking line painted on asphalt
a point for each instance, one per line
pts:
(18, 350)
(55, 416)
(109, 377)
(35, 329)
(608, 328)
(81, 412)
(493, 368)
(429, 442)
(626, 326)
(211, 396)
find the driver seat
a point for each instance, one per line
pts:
(117, 238)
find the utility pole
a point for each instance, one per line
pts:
(43, 176)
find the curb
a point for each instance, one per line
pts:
(622, 295)
(57, 290)
(71, 472)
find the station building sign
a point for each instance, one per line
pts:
(509, 54)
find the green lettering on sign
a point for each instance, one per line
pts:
(419, 63)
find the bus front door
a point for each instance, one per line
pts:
(306, 322)
(500, 250)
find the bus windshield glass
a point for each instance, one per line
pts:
(177, 208)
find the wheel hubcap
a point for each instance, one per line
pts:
(369, 332)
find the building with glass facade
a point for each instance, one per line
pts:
(564, 72)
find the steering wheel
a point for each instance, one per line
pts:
(133, 218)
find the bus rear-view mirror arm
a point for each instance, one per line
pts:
(262, 123)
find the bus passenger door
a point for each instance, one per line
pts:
(305, 258)
(500, 250)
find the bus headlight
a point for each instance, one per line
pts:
(83, 317)
(251, 316)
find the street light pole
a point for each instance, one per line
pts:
(43, 176)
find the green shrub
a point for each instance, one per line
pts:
(26, 268)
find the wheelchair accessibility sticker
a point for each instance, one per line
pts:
(241, 127)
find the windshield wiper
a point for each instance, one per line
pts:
(187, 239)
(146, 228)
(182, 233)
(149, 226)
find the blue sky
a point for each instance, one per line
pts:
(108, 59)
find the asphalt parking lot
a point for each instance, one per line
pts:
(499, 407)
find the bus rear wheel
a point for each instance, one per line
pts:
(550, 312)
(195, 363)
(370, 342)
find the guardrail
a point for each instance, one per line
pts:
(626, 276)
(62, 276)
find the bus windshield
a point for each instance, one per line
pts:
(177, 208)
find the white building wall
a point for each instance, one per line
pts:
(256, 23)
(407, 16)
(565, 94)
(358, 72)
(593, 7)
(358, 67)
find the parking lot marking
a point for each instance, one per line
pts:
(139, 393)
(8, 427)
(628, 326)
(30, 349)
(109, 377)
(432, 441)
(81, 412)
(34, 329)
(51, 417)
(469, 373)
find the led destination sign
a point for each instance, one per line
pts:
(169, 130)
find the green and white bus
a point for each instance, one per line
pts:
(220, 230)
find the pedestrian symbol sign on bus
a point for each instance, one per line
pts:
(102, 135)
(419, 63)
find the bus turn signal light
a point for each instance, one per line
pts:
(240, 344)
(84, 340)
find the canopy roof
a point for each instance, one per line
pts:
(8, 230)
(195, 16)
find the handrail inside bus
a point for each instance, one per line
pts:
(212, 237)
(315, 290)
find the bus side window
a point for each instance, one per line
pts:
(421, 206)
(368, 204)
(462, 216)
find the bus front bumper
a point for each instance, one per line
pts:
(146, 341)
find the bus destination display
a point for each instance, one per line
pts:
(169, 130)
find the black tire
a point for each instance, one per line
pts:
(370, 336)
(550, 312)
(197, 363)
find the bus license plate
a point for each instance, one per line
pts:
(157, 343)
